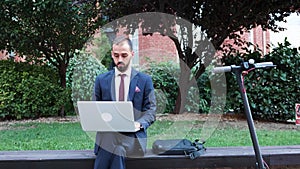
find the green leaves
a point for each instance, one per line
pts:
(165, 79)
(48, 29)
(83, 71)
(272, 93)
(29, 91)
(165, 76)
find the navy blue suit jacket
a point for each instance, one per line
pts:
(141, 94)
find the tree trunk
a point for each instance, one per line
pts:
(63, 83)
(177, 108)
(181, 100)
(185, 83)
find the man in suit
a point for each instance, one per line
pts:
(111, 148)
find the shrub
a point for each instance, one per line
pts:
(29, 91)
(84, 68)
(272, 93)
(101, 49)
(165, 79)
(204, 87)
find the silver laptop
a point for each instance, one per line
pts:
(106, 116)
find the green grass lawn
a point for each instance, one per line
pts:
(44, 136)
(69, 136)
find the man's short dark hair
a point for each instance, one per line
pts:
(122, 38)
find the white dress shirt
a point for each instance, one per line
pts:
(126, 82)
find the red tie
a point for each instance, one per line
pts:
(121, 88)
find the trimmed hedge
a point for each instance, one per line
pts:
(29, 91)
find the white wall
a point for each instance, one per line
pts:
(292, 31)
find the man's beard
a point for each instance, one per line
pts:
(122, 67)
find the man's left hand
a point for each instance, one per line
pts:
(137, 125)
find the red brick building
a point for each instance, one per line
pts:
(3, 55)
(6, 55)
(161, 48)
(256, 36)
(153, 47)
(157, 48)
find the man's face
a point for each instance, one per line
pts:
(122, 56)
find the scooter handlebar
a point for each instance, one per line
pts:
(224, 69)
(263, 65)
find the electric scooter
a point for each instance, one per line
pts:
(240, 71)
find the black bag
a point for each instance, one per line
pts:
(179, 147)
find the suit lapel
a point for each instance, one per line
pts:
(133, 83)
(111, 85)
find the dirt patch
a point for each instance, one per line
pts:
(223, 121)
(234, 121)
(5, 125)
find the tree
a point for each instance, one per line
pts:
(48, 30)
(55, 29)
(217, 19)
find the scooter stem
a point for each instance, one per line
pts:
(259, 159)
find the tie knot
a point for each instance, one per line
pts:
(122, 75)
